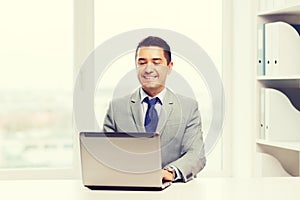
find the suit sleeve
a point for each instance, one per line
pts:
(109, 124)
(192, 158)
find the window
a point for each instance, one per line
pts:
(36, 81)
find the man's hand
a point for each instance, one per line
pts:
(167, 175)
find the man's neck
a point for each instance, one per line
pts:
(153, 93)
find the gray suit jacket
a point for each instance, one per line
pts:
(179, 126)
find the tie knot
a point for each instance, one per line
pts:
(151, 102)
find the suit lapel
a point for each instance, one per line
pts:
(167, 109)
(136, 110)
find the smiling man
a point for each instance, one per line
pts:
(155, 108)
(153, 68)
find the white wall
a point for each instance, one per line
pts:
(242, 100)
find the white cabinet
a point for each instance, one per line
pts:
(278, 83)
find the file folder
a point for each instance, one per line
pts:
(262, 115)
(279, 3)
(282, 49)
(281, 117)
(291, 2)
(265, 5)
(261, 50)
(269, 4)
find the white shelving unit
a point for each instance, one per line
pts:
(293, 146)
(285, 9)
(286, 151)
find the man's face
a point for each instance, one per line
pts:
(152, 69)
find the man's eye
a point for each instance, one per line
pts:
(142, 63)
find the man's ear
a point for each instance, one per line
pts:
(170, 66)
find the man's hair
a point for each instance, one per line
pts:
(158, 42)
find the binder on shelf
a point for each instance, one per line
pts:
(282, 49)
(294, 96)
(265, 5)
(261, 50)
(279, 3)
(270, 4)
(281, 117)
(262, 115)
(291, 2)
(262, 5)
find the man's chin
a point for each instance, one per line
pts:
(150, 87)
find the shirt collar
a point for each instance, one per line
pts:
(161, 95)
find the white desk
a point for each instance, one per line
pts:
(200, 189)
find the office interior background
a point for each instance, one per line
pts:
(44, 43)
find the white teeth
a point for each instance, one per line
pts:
(149, 77)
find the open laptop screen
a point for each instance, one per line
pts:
(121, 159)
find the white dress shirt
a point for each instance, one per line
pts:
(158, 107)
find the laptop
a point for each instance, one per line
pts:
(121, 161)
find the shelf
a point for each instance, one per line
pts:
(294, 146)
(265, 78)
(284, 144)
(279, 82)
(291, 9)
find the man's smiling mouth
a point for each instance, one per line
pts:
(149, 77)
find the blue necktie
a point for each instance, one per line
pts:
(151, 118)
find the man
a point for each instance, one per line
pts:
(155, 108)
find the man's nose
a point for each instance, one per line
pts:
(149, 68)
